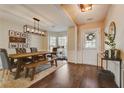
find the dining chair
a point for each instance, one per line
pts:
(60, 53)
(22, 51)
(33, 50)
(54, 50)
(6, 63)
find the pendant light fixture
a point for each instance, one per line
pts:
(85, 7)
(34, 29)
(36, 25)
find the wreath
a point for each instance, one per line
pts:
(90, 36)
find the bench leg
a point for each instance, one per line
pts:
(33, 73)
(51, 63)
(56, 63)
(27, 72)
(7, 74)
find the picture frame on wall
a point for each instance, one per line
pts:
(18, 39)
(18, 34)
(11, 33)
(13, 45)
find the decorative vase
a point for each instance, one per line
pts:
(112, 52)
(106, 53)
(117, 54)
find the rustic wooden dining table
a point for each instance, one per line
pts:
(20, 57)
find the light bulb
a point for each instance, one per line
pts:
(28, 29)
(32, 30)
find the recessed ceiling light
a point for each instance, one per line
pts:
(89, 19)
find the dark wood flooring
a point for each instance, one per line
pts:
(74, 76)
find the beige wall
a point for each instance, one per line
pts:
(58, 34)
(72, 44)
(44, 43)
(8, 24)
(5, 26)
(116, 14)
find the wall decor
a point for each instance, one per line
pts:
(18, 39)
(90, 40)
(110, 36)
(28, 40)
(112, 29)
(112, 53)
(91, 36)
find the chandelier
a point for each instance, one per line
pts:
(85, 7)
(34, 29)
(36, 24)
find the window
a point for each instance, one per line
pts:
(62, 41)
(90, 40)
(52, 42)
(58, 41)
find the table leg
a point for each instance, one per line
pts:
(55, 62)
(44, 56)
(12, 63)
(18, 70)
(33, 73)
(51, 63)
(27, 72)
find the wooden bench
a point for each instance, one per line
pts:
(34, 65)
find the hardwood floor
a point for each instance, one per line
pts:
(74, 76)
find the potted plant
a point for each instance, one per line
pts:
(110, 41)
(112, 45)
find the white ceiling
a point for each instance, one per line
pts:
(52, 17)
(97, 13)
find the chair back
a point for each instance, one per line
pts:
(20, 50)
(4, 59)
(54, 49)
(33, 49)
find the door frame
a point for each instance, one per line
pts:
(98, 40)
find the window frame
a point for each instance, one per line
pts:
(50, 42)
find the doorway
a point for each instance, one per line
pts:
(91, 44)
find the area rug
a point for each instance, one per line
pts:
(23, 82)
(43, 67)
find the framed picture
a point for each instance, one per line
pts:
(11, 33)
(18, 39)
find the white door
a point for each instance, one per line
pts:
(90, 46)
